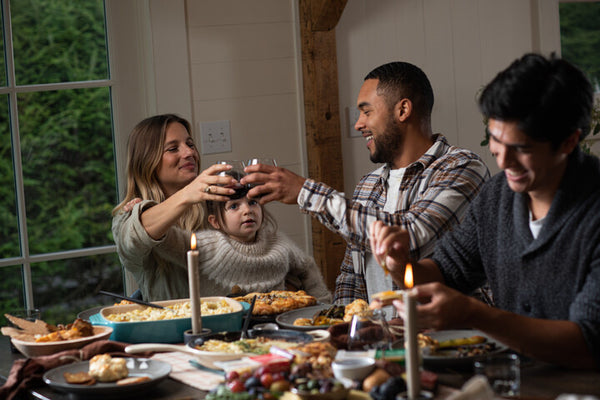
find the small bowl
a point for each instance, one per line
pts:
(353, 368)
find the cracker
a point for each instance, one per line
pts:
(17, 334)
(38, 327)
(79, 378)
(133, 380)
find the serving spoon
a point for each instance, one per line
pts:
(144, 303)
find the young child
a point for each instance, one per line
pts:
(245, 249)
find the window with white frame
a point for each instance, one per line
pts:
(57, 158)
(580, 44)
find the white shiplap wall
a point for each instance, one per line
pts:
(241, 64)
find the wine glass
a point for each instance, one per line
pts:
(369, 331)
(265, 161)
(236, 172)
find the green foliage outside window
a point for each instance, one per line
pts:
(580, 45)
(67, 156)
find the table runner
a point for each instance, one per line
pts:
(186, 373)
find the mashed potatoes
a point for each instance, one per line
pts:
(178, 310)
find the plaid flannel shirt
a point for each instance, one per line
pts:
(434, 194)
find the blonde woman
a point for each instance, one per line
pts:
(153, 235)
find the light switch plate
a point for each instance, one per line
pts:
(216, 137)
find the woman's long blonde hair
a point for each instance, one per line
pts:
(145, 148)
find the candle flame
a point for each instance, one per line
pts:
(408, 276)
(193, 241)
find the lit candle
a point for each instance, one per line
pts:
(411, 346)
(192, 261)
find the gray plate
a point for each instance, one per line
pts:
(156, 370)
(449, 358)
(86, 314)
(287, 318)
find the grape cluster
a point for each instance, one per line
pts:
(262, 384)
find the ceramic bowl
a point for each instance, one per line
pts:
(168, 330)
(353, 368)
(34, 349)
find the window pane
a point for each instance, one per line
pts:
(58, 41)
(580, 44)
(64, 288)
(68, 168)
(2, 60)
(580, 36)
(11, 289)
(9, 245)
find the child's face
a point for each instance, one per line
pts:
(241, 219)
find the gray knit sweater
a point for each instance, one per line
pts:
(557, 275)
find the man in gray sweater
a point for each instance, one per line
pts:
(534, 230)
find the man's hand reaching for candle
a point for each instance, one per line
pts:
(441, 307)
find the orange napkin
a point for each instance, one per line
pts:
(28, 373)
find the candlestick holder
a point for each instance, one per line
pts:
(189, 335)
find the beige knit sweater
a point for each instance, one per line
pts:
(264, 265)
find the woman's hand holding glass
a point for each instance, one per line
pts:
(236, 173)
(212, 184)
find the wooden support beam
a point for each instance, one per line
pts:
(318, 19)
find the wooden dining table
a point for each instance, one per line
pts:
(539, 381)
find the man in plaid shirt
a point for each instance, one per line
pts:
(424, 185)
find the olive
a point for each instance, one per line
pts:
(302, 387)
(312, 384)
(252, 382)
(280, 386)
(326, 387)
(390, 388)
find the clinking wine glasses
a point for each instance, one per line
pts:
(265, 161)
(236, 172)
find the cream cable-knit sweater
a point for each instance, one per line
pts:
(160, 266)
(260, 266)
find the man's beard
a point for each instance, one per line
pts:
(388, 144)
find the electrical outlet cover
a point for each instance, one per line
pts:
(216, 137)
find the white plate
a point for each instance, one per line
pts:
(450, 358)
(36, 349)
(156, 370)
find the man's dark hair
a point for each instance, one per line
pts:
(402, 80)
(548, 98)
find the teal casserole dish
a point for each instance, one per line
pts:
(169, 330)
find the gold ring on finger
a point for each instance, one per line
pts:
(208, 189)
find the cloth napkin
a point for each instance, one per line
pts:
(476, 388)
(27, 373)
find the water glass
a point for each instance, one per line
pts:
(503, 372)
